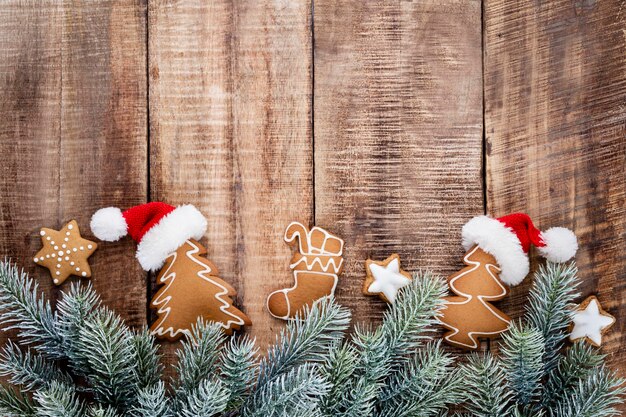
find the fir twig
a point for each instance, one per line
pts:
(523, 349)
(29, 370)
(25, 310)
(490, 394)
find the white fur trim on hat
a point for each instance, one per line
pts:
(108, 224)
(185, 222)
(561, 244)
(500, 241)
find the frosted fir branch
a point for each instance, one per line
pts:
(152, 401)
(407, 323)
(24, 309)
(29, 370)
(14, 404)
(550, 305)
(578, 362)
(238, 369)
(595, 396)
(208, 399)
(58, 400)
(425, 386)
(338, 369)
(359, 395)
(306, 338)
(523, 350)
(148, 366)
(99, 411)
(74, 307)
(198, 356)
(294, 393)
(105, 343)
(490, 395)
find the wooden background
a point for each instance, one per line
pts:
(390, 123)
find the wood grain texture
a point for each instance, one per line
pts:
(555, 118)
(230, 105)
(73, 132)
(398, 133)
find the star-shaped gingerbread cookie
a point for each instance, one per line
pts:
(590, 322)
(65, 252)
(385, 278)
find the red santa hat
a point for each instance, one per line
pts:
(509, 238)
(158, 228)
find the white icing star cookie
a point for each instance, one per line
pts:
(385, 278)
(591, 322)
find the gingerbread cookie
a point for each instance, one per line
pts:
(385, 278)
(65, 252)
(192, 289)
(470, 315)
(315, 266)
(590, 322)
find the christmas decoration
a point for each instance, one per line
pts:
(181, 298)
(65, 252)
(590, 322)
(312, 370)
(385, 278)
(315, 266)
(191, 287)
(497, 255)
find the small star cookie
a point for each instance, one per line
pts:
(590, 322)
(65, 252)
(385, 278)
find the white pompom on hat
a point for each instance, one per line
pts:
(508, 239)
(158, 228)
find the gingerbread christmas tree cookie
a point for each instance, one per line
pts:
(65, 252)
(385, 278)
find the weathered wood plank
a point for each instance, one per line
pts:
(555, 90)
(230, 94)
(73, 132)
(398, 133)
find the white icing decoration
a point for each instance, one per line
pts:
(77, 269)
(36, 259)
(82, 248)
(590, 323)
(387, 279)
(42, 233)
(56, 248)
(72, 263)
(64, 246)
(89, 246)
(59, 259)
(84, 274)
(56, 281)
(48, 238)
(58, 273)
(70, 226)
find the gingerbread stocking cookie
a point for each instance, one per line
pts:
(497, 256)
(191, 287)
(315, 266)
